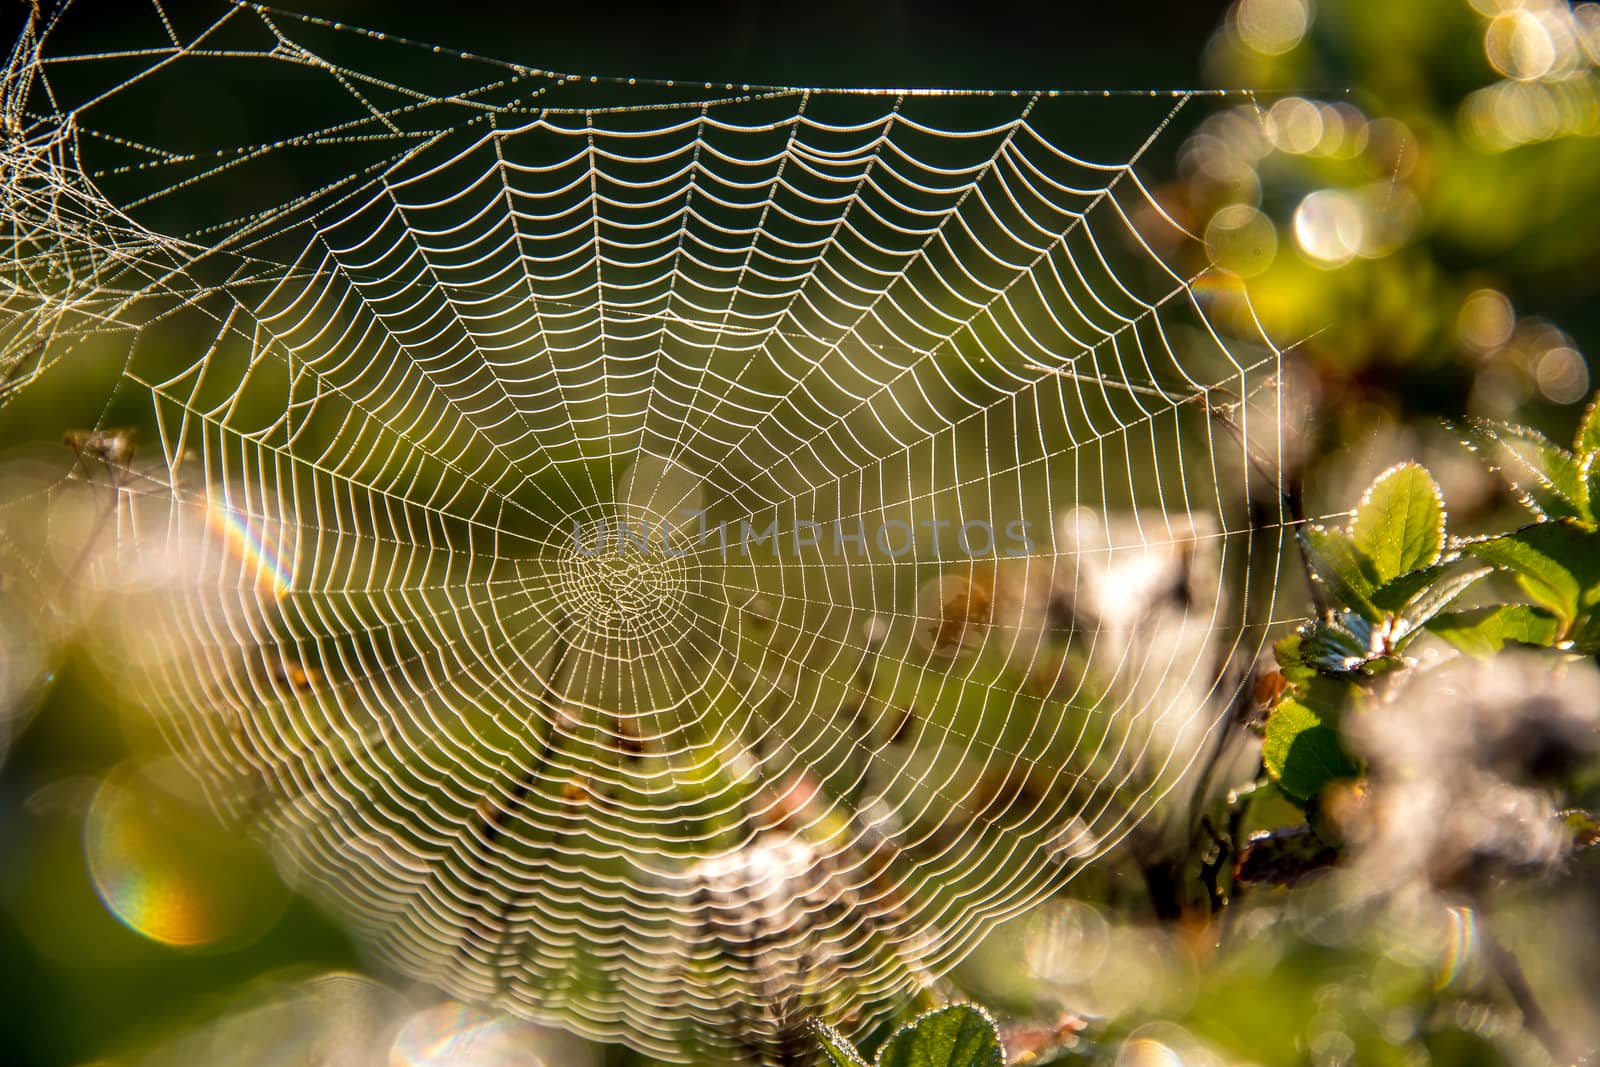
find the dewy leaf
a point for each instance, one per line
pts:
(1484, 631)
(1555, 563)
(1392, 596)
(834, 1047)
(1591, 482)
(1399, 524)
(1545, 475)
(1582, 826)
(1588, 439)
(957, 1036)
(1338, 565)
(1439, 593)
(1302, 752)
(1341, 644)
(1417, 595)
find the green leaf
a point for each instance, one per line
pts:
(1588, 439)
(834, 1047)
(1338, 646)
(1393, 595)
(1399, 524)
(1544, 475)
(1337, 563)
(1302, 752)
(1417, 595)
(1433, 597)
(1287, 652)
(957, 1036)
(1582, 826)
(1585, 633)
(1484, 631)
(1590, 471)
(1555, 563)
(1312, 687)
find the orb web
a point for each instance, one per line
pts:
(665, 558)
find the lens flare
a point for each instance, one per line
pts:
(1329, 227)
(457, 1035)
(1147, 1052)
(1272, 27)
(246, 540)
(1241, 239)
(161, 874)
(1296, 124)
(1460, 958)
(1562, 375)
(1486, 320)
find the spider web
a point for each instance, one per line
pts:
(669, 559)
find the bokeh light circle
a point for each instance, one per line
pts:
(1329, 227)
(1241, 239)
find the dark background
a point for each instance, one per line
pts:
(1004, 43)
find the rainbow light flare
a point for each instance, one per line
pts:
(143, 877)
(1460, 959)
(245, 540)
(166, 871)
(1217, 282)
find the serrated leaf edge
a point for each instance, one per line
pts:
(828, 1038)
(979, 1009)
(1491, 433)
(1438, 499)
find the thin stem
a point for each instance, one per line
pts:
(1534, 1020)
(1292, 494)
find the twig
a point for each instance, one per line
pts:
(1534, 1019)
(1211, 869)
(1292, 494)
